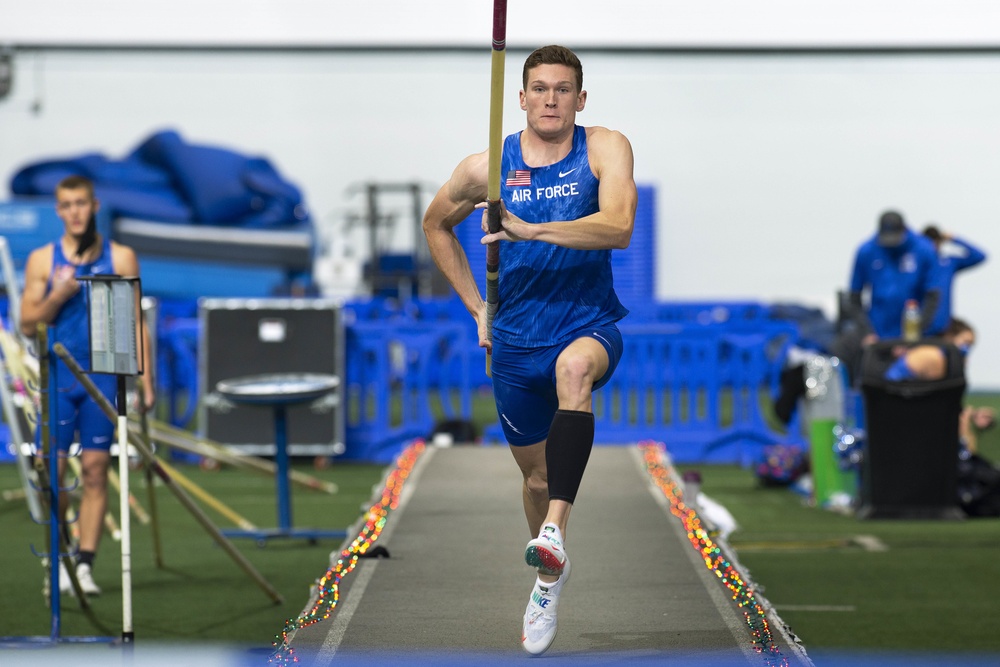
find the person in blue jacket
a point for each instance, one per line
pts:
(947, 266)
(891, 268)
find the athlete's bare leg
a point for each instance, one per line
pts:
(94, 503)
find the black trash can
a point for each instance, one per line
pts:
(910, 467)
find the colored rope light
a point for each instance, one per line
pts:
(741, 593)
(328, 587)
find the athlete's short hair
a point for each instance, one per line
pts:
(76, 182)
(553, 54)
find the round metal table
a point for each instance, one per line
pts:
(278, 391)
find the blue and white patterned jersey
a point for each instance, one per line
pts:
(548, 293)
(71, 324)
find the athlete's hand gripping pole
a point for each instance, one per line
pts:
(493, 184)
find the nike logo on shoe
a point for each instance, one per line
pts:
(563, 174)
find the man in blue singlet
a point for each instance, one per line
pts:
(569, 199)
(52, 295)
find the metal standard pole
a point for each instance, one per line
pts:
(128, 636)
(49, 386)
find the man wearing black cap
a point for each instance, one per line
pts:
(894, 266)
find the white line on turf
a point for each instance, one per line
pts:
(870, 543)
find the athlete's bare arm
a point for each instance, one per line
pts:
(451, 205)
(37, 306)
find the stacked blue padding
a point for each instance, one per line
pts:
(204, 220)
(635, 268)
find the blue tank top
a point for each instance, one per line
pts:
(549, 293)
(71, 326)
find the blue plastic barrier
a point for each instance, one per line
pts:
(706, 313)
(676, 382)
(435, 310)
(406, 365)
(697, 384)
(698, 389)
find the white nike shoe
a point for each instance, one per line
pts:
(86, 578)
(539, 629)
(65, 585)
(545, 552)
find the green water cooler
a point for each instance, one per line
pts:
(824, 411)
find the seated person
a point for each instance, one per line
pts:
(978, 477)
(972, 422)
(928, 361)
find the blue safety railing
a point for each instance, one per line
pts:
(399, 376)
(698, 376)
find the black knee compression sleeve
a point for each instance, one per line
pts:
(571, 437)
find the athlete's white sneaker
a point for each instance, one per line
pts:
(545, 552)
(86, 578)
(65, 585)
(539, 629)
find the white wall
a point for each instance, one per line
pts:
(580, 24)
(771, 168)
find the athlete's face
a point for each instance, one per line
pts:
(75, 207)
(552, 99)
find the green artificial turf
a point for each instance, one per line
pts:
(931, 589)
(201, 594)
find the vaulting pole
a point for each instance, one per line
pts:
(496, 149)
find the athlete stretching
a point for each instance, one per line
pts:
(569, 198)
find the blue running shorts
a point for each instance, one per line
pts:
(524, 383)
(76, 410)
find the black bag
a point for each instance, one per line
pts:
(978, 486)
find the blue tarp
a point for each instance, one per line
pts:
(167, 179)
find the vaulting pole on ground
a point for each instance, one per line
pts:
(17, 438)
(207, 498)
(172, 436)
(150, 459)
(154, 514)
(13, 349)
(496, 149)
